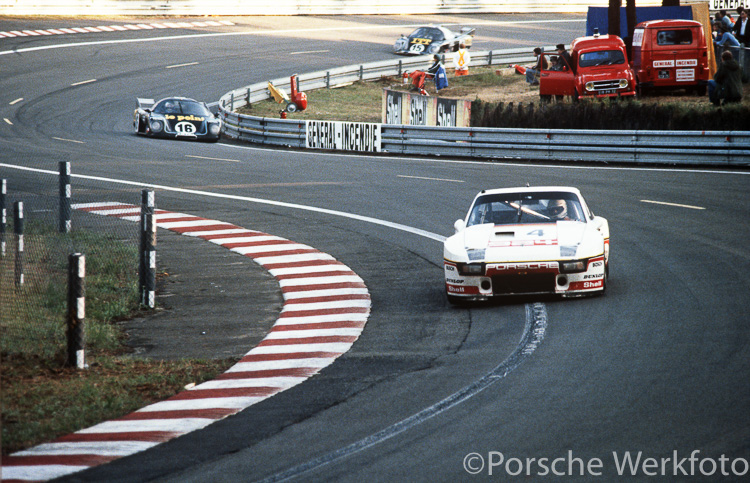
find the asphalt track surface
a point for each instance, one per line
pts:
(658, 366)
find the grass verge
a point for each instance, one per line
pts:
(488, 91)
(41, 398)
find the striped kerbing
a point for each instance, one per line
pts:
(326, 306)
(114, 28)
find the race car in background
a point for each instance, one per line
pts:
(430, 39)
(176, 117)
(517, 241)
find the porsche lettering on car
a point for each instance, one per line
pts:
(176, 117)
(432, 39)
(518, 241)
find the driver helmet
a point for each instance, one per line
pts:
(558, 209)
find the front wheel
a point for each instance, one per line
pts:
(457, 301)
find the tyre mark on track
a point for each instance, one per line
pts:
(534, 331)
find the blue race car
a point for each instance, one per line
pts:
(176, 117)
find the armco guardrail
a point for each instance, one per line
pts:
(653, 147)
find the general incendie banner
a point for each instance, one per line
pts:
(343, 136)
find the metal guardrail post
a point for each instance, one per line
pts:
(147, 279)
(328, 79)
(400, 67)
(65, 223)
(3, 216)
(489, 58)
(18, 229)
(76, 310)
(361, 72)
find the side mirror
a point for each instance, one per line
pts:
(459, 225)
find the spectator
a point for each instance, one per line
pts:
(532, 73)
(437, 72)
(726, 19)
(724, 38)
(741, 29)
(461, 60)
(727, 82)
(563, 59)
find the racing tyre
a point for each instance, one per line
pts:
(291, 107)
(138, 124)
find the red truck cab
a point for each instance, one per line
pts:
(600, 69)
(670, 54)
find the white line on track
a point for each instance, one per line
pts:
(7, 121)
(213, 159)
(310, 52)
(83, 82)
(678, 205)
(12, 103)
(367, 219)
(431, 179)
(68, 140)
(181, 65)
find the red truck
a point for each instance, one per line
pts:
(670, 54)
(599, 69)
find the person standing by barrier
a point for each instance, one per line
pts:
(727, 82)
(741, 29)
(461, 60)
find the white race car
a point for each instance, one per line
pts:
(538, 240)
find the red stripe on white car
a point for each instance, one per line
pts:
(326, 306)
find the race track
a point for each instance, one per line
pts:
(429, 392)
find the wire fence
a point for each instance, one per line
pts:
(34, 265)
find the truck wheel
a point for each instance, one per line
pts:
(291, 107)
(545, 99)
(701, 91)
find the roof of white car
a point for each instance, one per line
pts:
(531, 189)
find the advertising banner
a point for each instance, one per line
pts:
(344, 136)
(418, 110)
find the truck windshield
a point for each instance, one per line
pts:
(601, 57)
(674, 37)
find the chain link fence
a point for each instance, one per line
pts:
(34, 266)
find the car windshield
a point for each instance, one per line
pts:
(601, 57)
(427, 33)
(515, 208)
(181, 106)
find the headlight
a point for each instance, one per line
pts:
(589, 86)
(214, 129)
(156, 126)
(470, 268)
(623, 83)
(573, 266)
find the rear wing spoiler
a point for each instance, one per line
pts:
(143, 103)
